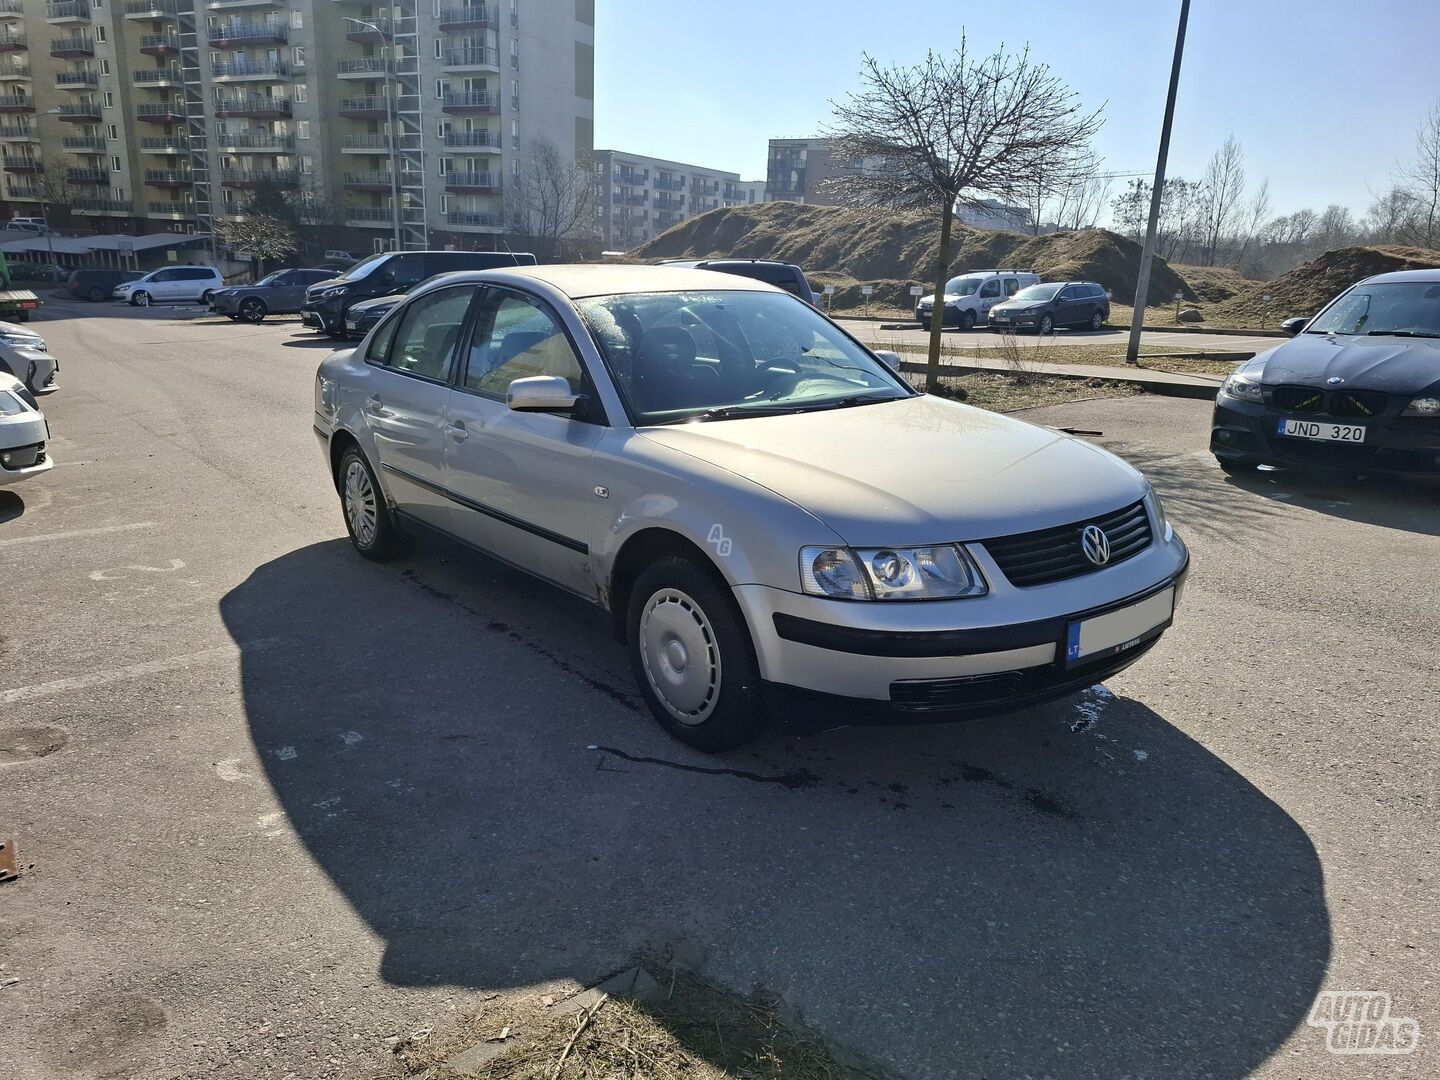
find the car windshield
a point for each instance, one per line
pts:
(360, 269)
(718, 355)
(269, 279)
(963, 286)
(1038, 292)
(1403, 308)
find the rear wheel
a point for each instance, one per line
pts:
(1097, 320)
(368, 520)
(692, 656)
(206, 296)
(253, 310)
(95, 295)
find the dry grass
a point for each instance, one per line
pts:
(1004, 393)
(694, 1031)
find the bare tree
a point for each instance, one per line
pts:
(1077, 201)
(262, 236)
(1221, 192)
(1421, 179)
(1392, 215)
(552, 201)
(1335, 227)
(1256, 214)
(60, 195)
(950, 131)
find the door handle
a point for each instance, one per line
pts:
(373, 406)
(457, 431)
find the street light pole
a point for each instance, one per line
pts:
(391, 135)
(1147, 254)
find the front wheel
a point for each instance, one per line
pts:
(253, 310)
(692, 656)
(1233, 467)
(207, 296)
(1047, 324)
(967, 321)
(140, 299)
(368, 520)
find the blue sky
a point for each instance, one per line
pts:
(1325, 95)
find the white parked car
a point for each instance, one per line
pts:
(171, 284)
(24, 355)
(969, 297)
(23, 434)
(761, 503)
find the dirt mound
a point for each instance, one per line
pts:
(1307, 288)
(1213, 284)
(893, 246)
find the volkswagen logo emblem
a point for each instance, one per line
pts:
(1334, 380)
(1095, 544)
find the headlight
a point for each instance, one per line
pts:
(1159, 508)
(12, 404)
(338, 290)
(1242, 389)
(941, 572)
(1423, 406)
(22, 341)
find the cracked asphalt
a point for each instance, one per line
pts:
(275, 804)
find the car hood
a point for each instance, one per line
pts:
(1394, 365)
(915, 471)
(10, 329)
(1018, 305)
(379, 301)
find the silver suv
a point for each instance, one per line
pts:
(762, 504)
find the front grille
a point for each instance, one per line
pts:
(1346, 404)
(1049, 555)
(23, 457)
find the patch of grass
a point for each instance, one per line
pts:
(1007, 393)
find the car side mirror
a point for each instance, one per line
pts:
(541, 393)
(1294, 326)
(889, 359)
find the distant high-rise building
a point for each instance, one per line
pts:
(639, 197)
(146, 115)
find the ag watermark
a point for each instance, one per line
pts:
(1359, 1022)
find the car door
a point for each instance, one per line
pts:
(524, 482)
(161, 284)
(287, 292)
(989, 295)
(402, 393)
(1067, 306)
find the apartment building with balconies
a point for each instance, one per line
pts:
(404, 123)
(638, 197)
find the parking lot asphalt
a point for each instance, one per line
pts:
(276, 804)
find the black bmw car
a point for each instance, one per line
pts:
(1356, 391)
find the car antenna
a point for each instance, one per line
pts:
(509, 252)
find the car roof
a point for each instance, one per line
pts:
(577, 280)
(1432, 274)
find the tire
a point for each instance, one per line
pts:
(1047, 325)
(1097, 320)
(692, 656)
(23, 315)
(207, 296)
(371, 525)
(140, 299)
(1232, 467)
(967, 320)
(253, 310)
(95, 295)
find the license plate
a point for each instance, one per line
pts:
(1116, 631)
(1322, 430)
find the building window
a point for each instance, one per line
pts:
(439, 88)
(444, 204)
(115, 165)
(442, 128)
(302, 95)
(515, 168)
(112, 131)
(104, 67)
(302, 129)
(515, 131)
(444, 166)
(297, 56)
(307, 164)
(108, 99)
(100, 34)
(297, 19)
(514, 55)
(439, 48)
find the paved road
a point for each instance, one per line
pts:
(916, 339)
(282, 804)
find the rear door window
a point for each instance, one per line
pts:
(427, 332)
(1012, 286)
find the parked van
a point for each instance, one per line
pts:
(970, 296)
(27, 224)
(97, 285)
(169, 284)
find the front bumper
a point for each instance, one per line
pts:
(942, 656)
(950, 318)
(324, 317)
(1247, 432)
(223, 305)
(1004, 320)
(24, 448)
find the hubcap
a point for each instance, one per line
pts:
(143, 299)
(252, 312)
(360, 503)
(681, 656)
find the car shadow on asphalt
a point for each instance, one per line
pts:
(316, 341)
(12, 506)
(1079, 889)
(1410, 505)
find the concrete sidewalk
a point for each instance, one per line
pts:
(1166, 383)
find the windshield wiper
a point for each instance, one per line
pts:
(1401, 333)
(739, 412)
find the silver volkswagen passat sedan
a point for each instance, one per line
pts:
(764, 506)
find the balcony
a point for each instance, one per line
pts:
(27, 192)
(366, 36)
(258, 105)
(168, 178)
(236, 70)
(151, 9)
(101, 206)
(255, 140)
(167, 112)
(631, 200)
(473, 219)
(12, 132)
(14, 72)
(169, 209)
(632, 179)
(10, 42)
(17, 103)
(76, 80)
(21, 163)
(667, 202)
(470, 101)
(254, 178)
(74, 47)
(230, 5)
(469, 59)
(82, 112)
(361, 67)
(369, 106)
(163, 144)
(260, 33)
(162, 78)
(87, 176)
(83, 144)
(477, 182)
(12, 9)
(160, 44)
(70, 11)
(669, 183)
(473, 140)
(468, 16)
(365, 144)
(370, 180)
(705, 191)
(369, 217)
